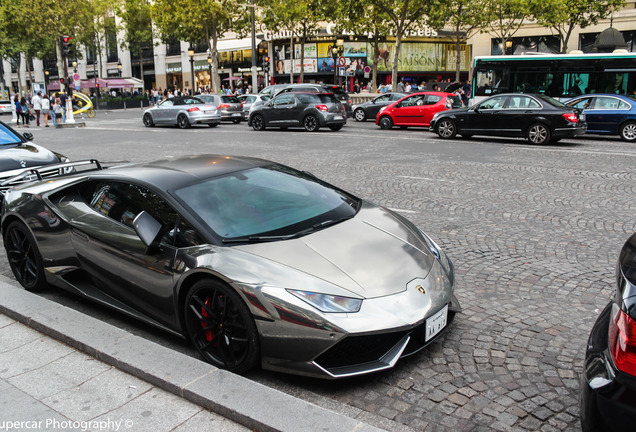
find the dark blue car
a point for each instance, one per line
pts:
(608, 114)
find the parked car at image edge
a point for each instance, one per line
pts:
(416, 109)
(18, 154)
(608, 381)
(230, 107)
(249, 259)
(182, 111)
(608, 114)
(538, 118)
(6, 107)
(369, 109)
(309, 110)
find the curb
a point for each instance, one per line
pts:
(243, 401)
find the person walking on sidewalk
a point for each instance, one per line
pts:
(24, 111)
(18, 111)
(46, 107)
(57, 112)
(37, 107)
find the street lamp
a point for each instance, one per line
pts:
(74, 66)
(336, 51)
(210, 67)
(191, 54)
(508, 46)
(46, 81)
(119, 66)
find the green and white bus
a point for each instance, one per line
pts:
(561, 76)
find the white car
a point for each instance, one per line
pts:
(6, 107)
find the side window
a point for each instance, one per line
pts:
(384, 98)
(286, 99)
(432, 99)
(122, 202)
(607, 103)
(496, 102)
(166, 103)
(409, 101)
(584, 103)
(622, 105)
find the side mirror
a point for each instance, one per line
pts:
(147, 228)
(28, 136)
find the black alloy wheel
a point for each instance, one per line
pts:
(183, 121)
(24, 257)
(539, 134)
(148, 120)
(446, 129)
(258, 122)
(360, 115)
(386, 122)
(220, 326)
(311, 123)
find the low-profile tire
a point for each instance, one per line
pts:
(148, 122)
(237, 121)
(446, 129)
(220, 326)
(360, 115)
(258, 122)
(385, 122)
(213, 124)
(539, 134)
(311, 124)
(336, 128)
(183, 122)
(628, 132)
(24, 257)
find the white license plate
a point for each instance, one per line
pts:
(210, 112)
(337, 117)
(436, 323)
(237, 114)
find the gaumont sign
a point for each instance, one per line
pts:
(330, 30)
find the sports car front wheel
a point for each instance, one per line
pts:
(220, 326)
(24, 257)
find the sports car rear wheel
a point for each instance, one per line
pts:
(220, 326)
(24, 257)
(183, 121)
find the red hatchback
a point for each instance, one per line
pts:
(416, 109)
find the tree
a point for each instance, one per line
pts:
(190, 20)
(466, 17)
(137, 28)
(505, 18)
(563, 16)
(403, 15)
(362, 17)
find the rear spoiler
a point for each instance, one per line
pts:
(47, 172)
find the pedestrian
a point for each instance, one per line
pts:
(24, 111)
(16, 104)
(63, 106)
(46, 106)
(467, 92)
(57, 112)
(37, 107)
(401, 87)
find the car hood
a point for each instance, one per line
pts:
(372, 255)
(24, 156)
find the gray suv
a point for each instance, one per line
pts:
(342, 95)
(310, 110)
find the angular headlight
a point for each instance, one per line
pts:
(443, 259)
(328, 303)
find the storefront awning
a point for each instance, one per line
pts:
(235, 44)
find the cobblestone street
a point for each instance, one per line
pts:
(533, 232)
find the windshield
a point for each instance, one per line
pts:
(270, 201)
(8, 137)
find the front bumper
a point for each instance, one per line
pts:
(608, 396)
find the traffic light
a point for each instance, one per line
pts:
(96, 85)
(62, 81)
(66, 40)
(265, 63)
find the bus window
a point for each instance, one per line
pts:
(576, 83)
(491, 81)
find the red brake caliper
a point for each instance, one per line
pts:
(209, 334)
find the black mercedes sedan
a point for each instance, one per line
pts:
(18, 153)
(608, 381)
(536, 117)
(309, 110)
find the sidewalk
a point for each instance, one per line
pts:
(46, 385)
(60, 368)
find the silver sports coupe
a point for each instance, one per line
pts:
(182, 111)
(254, 262)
